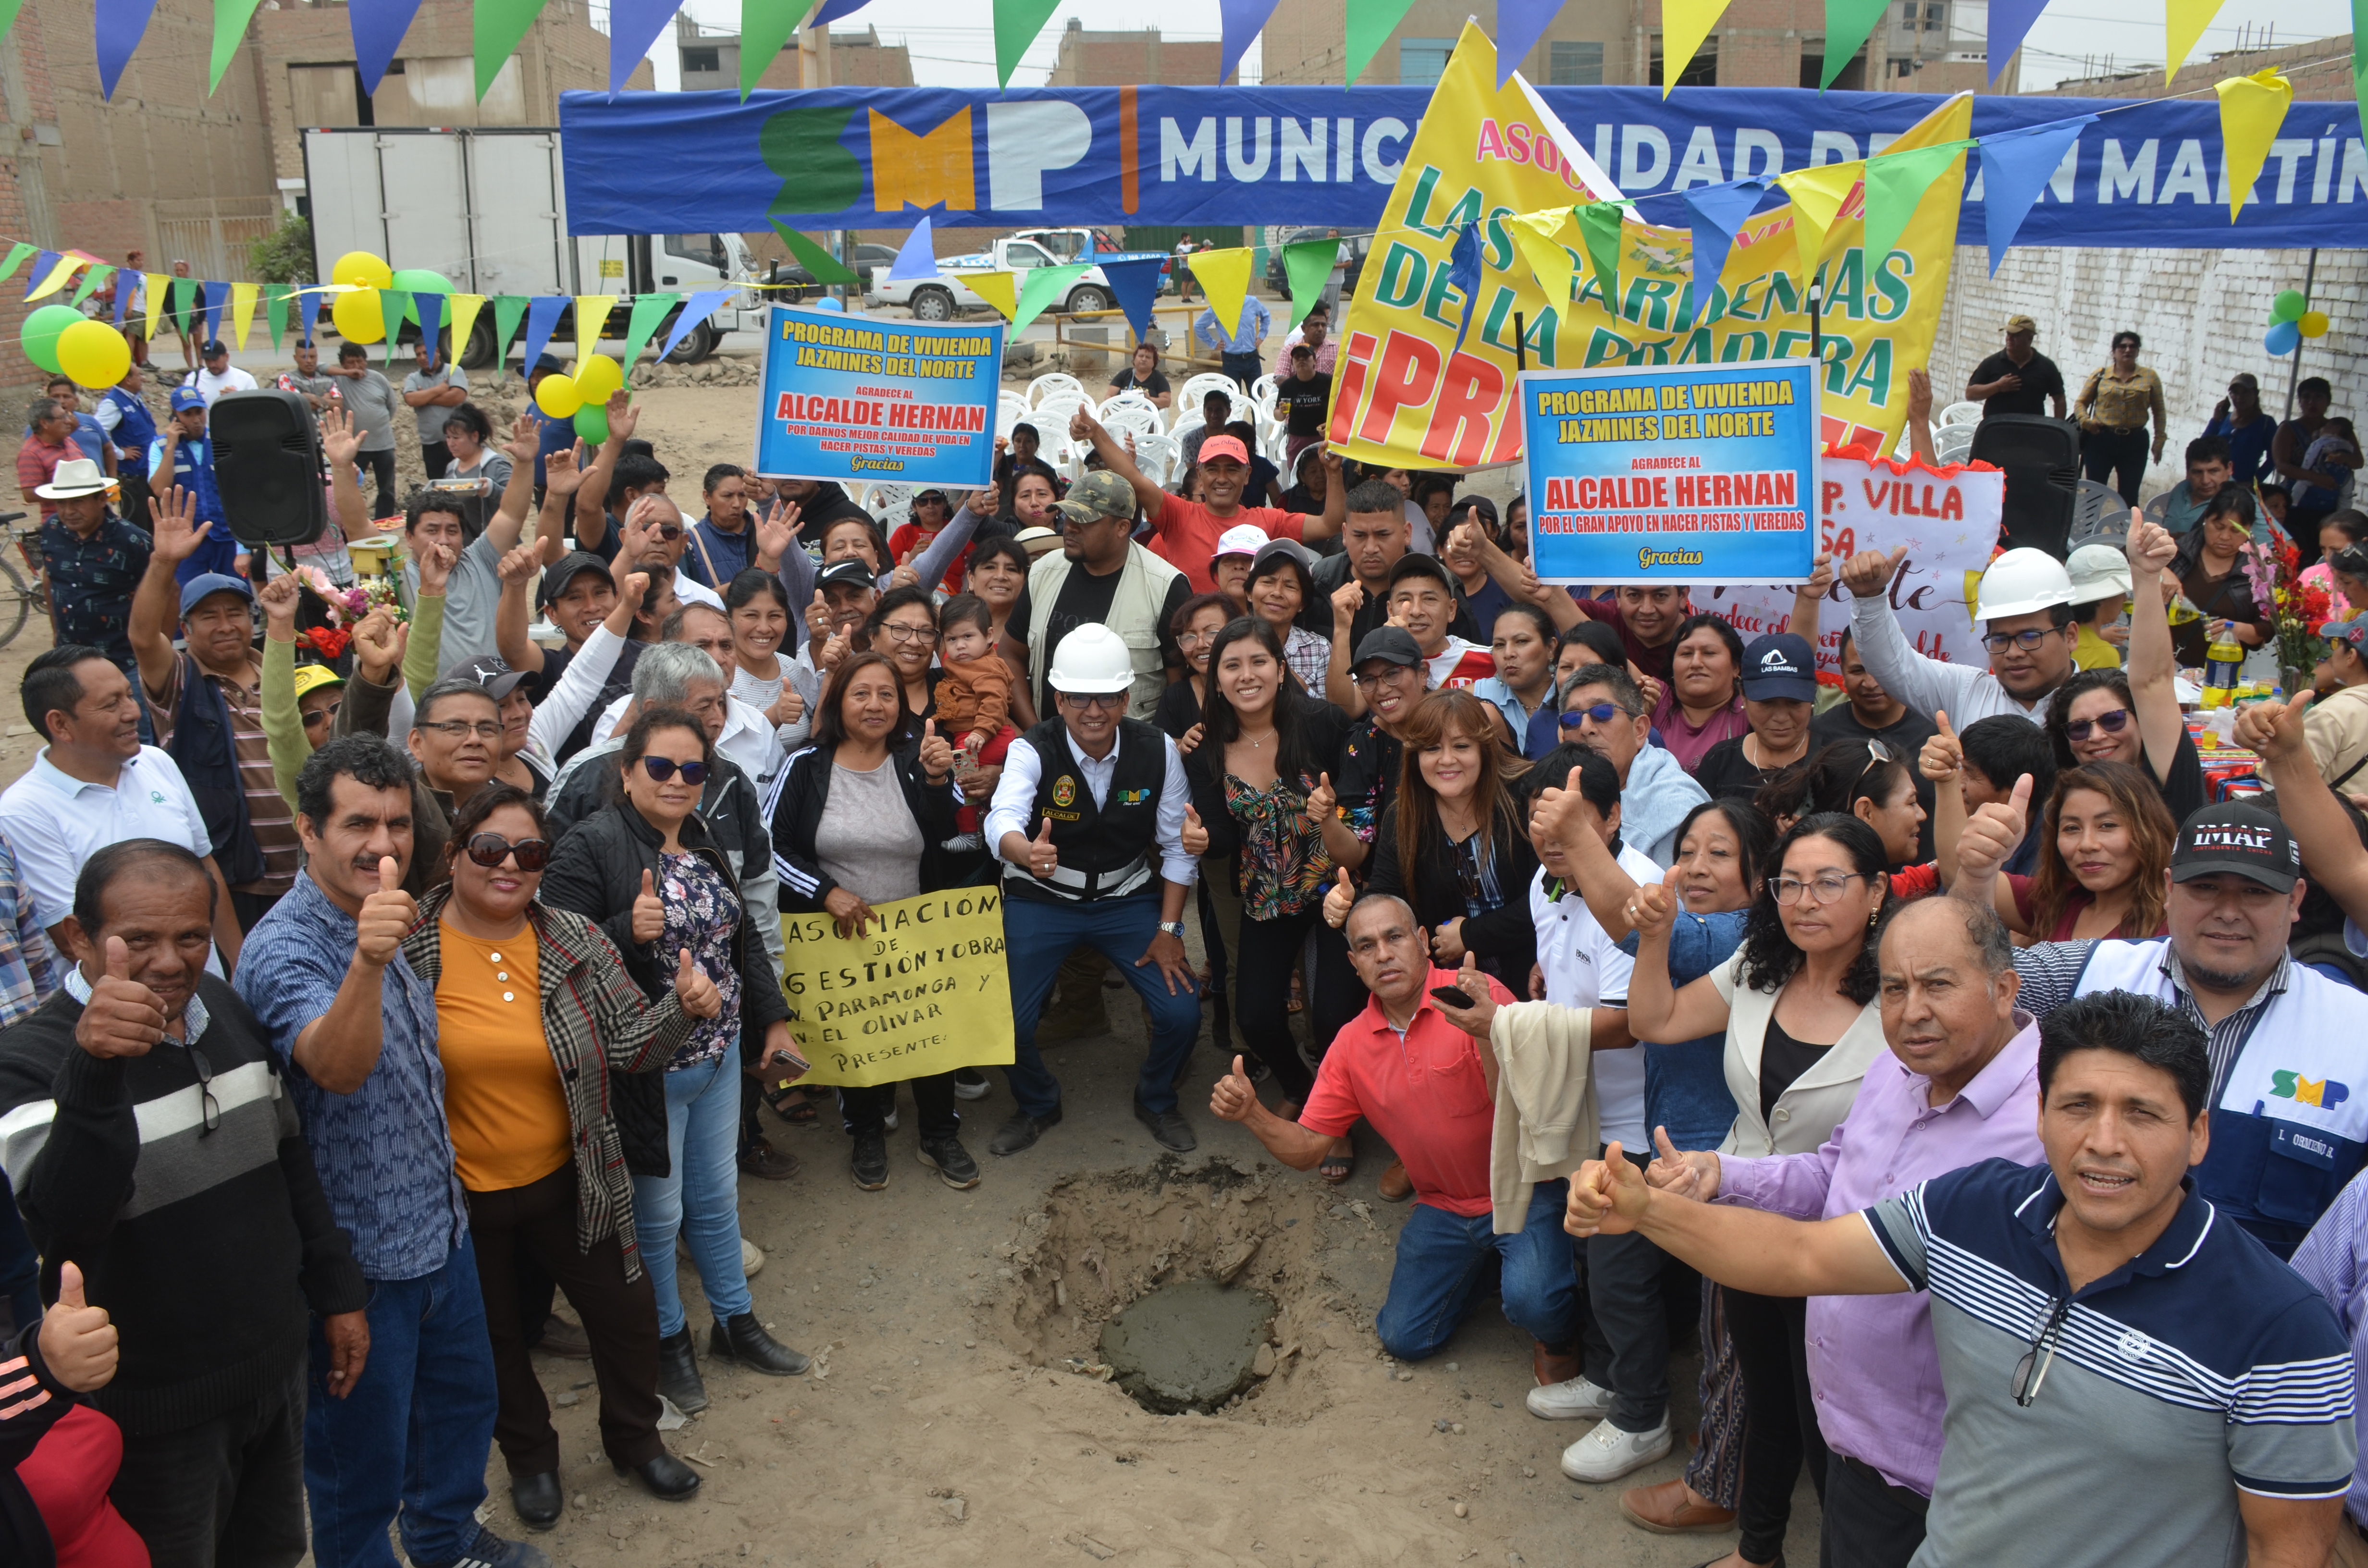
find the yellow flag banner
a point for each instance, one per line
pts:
(923, 991)
(1407, 397)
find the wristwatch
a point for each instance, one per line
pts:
(1174, 928)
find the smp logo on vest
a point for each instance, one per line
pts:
(2324, 1093)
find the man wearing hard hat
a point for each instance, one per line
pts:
(2025, 602)
(1088, 820)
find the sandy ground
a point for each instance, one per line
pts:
(943, 1423)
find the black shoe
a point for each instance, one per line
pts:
(678, 1372)
(950, 1161)
(490, 1551)
(1168, 1128)
(761, 1159)
(1022, 1130)
(744, 1339)
(538, 1499)
(970, 1083)
(869, 1162)
(668, 1479)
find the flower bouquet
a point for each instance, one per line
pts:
(2295, 607)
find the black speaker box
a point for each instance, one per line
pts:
(267, 465)
(2042, 459)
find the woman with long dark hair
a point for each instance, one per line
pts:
(1279, 587)
(1865, 779)
(2103, 857)
(2099, 716)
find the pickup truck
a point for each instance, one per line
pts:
(940, 297)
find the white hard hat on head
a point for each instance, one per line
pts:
(2023, 581)
(1092, 659)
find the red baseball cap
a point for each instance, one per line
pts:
(1225, 447)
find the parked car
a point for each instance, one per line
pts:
(1279, 281)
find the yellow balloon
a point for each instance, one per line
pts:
(358, 316)
(597, 377)
(94, 354)
(558, 396)
(2312, 324)
(359, 266)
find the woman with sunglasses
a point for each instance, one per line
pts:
(2104, 859)
(2133, 716)
(648, 871)
(1703, 704)
(1799, 1007)
(534, 1012)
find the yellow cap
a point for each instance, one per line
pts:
(311, 677)
(2020, 324)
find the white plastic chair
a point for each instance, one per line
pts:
(890, 503)
(1188, 400)
(1010, 408)
(1050, 383)
(1273, 435)
(1051, 416)
(1185, 426)
(1962, 413)
(1158, 457)
(1953, 444)
(1263, 392)
(1126, 411)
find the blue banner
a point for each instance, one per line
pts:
(847, 398)
(2147, 173)
(1701, 476)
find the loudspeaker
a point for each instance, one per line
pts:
(267, 466)
(2042, 459)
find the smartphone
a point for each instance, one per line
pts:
(1449, 996)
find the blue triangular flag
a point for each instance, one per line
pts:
(917, 258)
(1464, 277)
(431, 321)
(2016, 166)
(378, 27)
(125, 282)
(1134, 284)
(1241, 20)
(2010, 20)
(832, 10)
(542, 314)
(697, 309)
(1520, 25)
(118, 26)
(217, 295)
(1715, 213)
(44, 263)
(634, 26)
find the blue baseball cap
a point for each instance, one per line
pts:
(187, 397)
(205, 582)
(1780, 667)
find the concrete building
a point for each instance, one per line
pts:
(711, 59)
(1132, 59)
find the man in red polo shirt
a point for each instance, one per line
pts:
(1432, 1091)
(1186, 530)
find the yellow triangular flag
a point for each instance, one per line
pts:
(1225, 276)
(2183, 22)
(1817, 195)
(1539, 236)
(154, 284)
(1000, 290)
(464, 309)
(591, 323)
(1684, 25)
(242, 312)
(65, 268)
(2251, 109)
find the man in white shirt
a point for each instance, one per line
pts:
(220, 375)
(94, 785)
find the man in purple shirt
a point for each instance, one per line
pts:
(1961, 1086)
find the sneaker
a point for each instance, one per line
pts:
(888, 1118)
(490, 1551)
(970, 1083)
(870, 1160)
(751, 1259)
(1573, 1399)
(1607, 1453)
(950, 1161)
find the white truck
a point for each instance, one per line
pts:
(939, 298)
(488, 210)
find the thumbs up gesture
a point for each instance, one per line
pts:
(1042, 859)
(1196, 833)
(1991, 834)
(649, 915)
(1338, 900)
(1234, 1097)
(698, 993)
(1943, 756)
(123, 1018)
(1653, 909)
(1682, 1175)
(936, 753)
(1476, 1019)
(78, 1341)
(385, 916)
(1323, 804)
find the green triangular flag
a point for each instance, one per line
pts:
(91, 279)
(1017, 23)
(1370, 22)
(392, 305)
(275, 310)
(510, 309)
(1044, 288)
(1895, 183)
(1599, 233)
(1846, 24)
(500, 27)
(231, 17)
(184, 297)
(1309, 267)
(814, 259)
(649, 310)
(765, 29)
(20, 250)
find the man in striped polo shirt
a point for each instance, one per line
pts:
(2131, 1378)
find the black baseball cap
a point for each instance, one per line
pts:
(2242, 840)
(565, 569)
(491, 671)
(1391, 645)
(847, 575)
(213, 347)
(1780, 666)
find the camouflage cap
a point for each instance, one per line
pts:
(1099, 495)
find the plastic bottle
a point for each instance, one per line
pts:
(2222, 659)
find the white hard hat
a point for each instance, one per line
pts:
(2021, 582)
(1092, 659)
(2097, 571)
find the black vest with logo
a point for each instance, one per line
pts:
(1107, 851)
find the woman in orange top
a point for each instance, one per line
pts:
(534, 1009)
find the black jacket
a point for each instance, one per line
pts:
(806, 790)
(1322, 728)
(728, 804)
(1505, 939)
(1331, 574)
(597, 871)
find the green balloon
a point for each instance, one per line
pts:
(422, 280)
(592, 423)
(39, 334)
(2288, 306)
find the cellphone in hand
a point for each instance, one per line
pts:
(1449, 996)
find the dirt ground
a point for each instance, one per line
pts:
(954, 1415)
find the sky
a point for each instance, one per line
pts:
(952, 42)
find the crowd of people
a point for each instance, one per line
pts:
(368, 982)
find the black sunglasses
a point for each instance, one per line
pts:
(2113, 724)
(1601, 712)
(665, 767)
(211, 1106)
(490, 849)
(2031, 1371)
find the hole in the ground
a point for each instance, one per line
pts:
(1189, 1346)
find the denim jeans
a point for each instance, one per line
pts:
(1439, 1258)
(700, 1196)
(1038, 934)
(412, 1437)
(1244, 368)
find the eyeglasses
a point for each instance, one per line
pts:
(2027, 639)
(1359, 678)
(1195, 638)
(665, 767)
(1601, 712)
(1093, 699)
(1877, 754)
(669, 531)
(2031, 1371)
(924, 635)
(462, 729)
(211, 1106)
(321, 716)
(490, 849)
(2113, 724)
(1827, 885)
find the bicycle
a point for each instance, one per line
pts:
(18, 599)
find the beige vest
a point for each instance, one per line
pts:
(1133, 615)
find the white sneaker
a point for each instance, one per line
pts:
(1607, 1453)
(1573, 1399)
(888, 1120)
(752, 1259)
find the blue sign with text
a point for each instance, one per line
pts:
(853, 398)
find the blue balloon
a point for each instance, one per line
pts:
(2283, 338)
(833, 303)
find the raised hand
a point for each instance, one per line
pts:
(634, 532)
(564, 470)
(1920, 394)
(2274, 729)
(623, 417)
(1043, 860)
(1821, 580)
(1606, 1197)
(1338, 899)
(1682, 1175)
(1323, 804)
(340, 442)
(1190, 741)
(435, 560)
(1868, 573)
(649, 915)
(937, 752)
(280, 597)
(78, 1340)
(174, 527)
(1992, 834)
(520, 564)
(2150, 549)
(1330, 460)
(776, 531)
(696, 993)
(1080, 428)
(1653, 907)
(386, 915)
(1650, 688)
(788, 708)
(1346, 600)
(1942, 758)
(122, 1018)
(1476, 1019)
(526, 439)
(1196, 833)
(818, 627)
(378, 643)
(1234, 1096)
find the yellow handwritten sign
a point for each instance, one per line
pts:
(923, 990)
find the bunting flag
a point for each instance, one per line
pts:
(1464, 277)
(1134, 285)
(275, 311)
(378, 28)
(1370, 22)
(464, 321)
(831, 11)
(701, 306)
(591, 323)
(431, 317)
(541, 317)
(818, 262)
(1715, 213)
(918, 257)
(1538, 235)
(2009, 20)
(2016, 166)
(2183, 22)
(216, 299)
(1846, 24)
(1684, 25)
(123, 292)
(185, 298)
(2251, 109)
(393, 305)
(152, 287)
(1043, 288)
(649, 311)
(634, 26)
(117, 25)
(497, 29)
(242, 297)
(1307, 266)
(765, 29)
(1599, 234)
(1817, 195)
(1224, 277)
(90, 283)
(231, 17)
(509, 312)
(1521, 23)
(17, 253)
(1241, 21)
(1895, 183)
(1017, 23)
(50, 271)
(8, 9)
(1000, 290)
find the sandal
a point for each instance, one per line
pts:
(793, 1105)
(1338, 1165)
